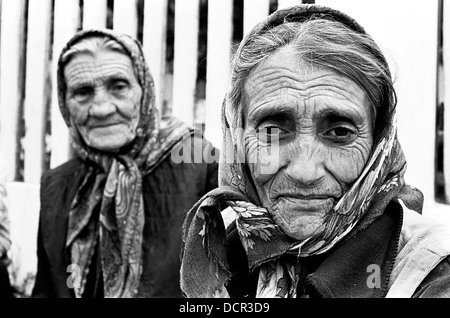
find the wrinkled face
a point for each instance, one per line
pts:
(308, 136)
(103, 97)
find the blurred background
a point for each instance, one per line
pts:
(189, 45)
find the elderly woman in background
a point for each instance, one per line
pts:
(110, 220)
(312, 167)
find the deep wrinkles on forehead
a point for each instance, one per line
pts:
(85, 72)
(264, 94)
(268, 81)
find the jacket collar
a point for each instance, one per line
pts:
(360, 267)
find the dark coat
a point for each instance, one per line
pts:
(342, 272)
(6, 290)
(169, 192)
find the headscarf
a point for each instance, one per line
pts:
(108, 207)
(204, 233)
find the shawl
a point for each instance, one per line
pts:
(204, 232)
(5, 240)
(107, 212)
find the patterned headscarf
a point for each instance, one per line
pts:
(108, 208)
(264, 242)
(5, 240)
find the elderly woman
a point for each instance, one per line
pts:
(312, 167)
(110, 221)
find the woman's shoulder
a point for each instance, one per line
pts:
(437, 283)
(61, 181)
(192, 161)
(423, 245)
(425, 229)
(63, 171)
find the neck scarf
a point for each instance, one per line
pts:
(107, 213)
(5, 241)
(204, 233)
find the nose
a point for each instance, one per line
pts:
(305, 164)
(102, 105)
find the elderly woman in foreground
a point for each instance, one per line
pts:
(110, 220)
(312, 167)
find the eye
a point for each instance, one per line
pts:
(83, 93)
(119, 86)
(340, 134)
(268, 130)
(269, 134)
(275, 127)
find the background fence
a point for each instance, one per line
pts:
(189, 44)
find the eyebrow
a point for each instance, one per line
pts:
(341, 113)
(263, 112)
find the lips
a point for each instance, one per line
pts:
(305, 203)
(309, 203)
(306, 197)
(103, 125)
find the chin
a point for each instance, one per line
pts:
(301, 219)
(109, 145)
(109, 139)
(299, 235)
(301, 228)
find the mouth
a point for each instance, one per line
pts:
(305, 197)
(103, 125)
(306, 203)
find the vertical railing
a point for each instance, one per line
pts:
(154, 42)
(66, 16)
(446, 88)
(254, 12)
(185, 59)
(218, 65)
(94, 14)
(287, 3)
(10, 82)
(125, 17)
(36, 98)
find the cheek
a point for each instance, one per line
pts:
(262, 159)
(347, 164)
(77, 112)
(341, 166)
(264, 162)
(130, 105)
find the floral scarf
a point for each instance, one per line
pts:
(107, 213)
(5, 240)
(204, 233)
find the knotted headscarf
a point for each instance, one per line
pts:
(108, 208)
(205, 269)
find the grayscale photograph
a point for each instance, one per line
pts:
(241, 150)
